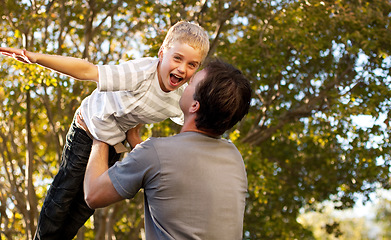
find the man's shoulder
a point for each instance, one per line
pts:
(188, 139)
(193, 137)
(157, 142)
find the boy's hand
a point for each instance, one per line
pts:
(18, 54)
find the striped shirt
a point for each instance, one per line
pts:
(128, 94)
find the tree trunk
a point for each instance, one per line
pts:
(31, 203)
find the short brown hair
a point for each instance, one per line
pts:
(189, 33)
(224, 96)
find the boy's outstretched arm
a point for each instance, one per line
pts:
(74, 67)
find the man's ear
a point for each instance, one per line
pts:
(195, 106)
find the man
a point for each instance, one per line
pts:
(194, 182)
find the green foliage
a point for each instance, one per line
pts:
(313, 65)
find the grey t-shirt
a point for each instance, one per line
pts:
(194, 186)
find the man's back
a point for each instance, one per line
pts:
(200, 191)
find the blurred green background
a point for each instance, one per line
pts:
(316, 139)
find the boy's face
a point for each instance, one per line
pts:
(177, 65)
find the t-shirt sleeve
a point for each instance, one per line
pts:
(139, 168)
(127, 76)
(117, 77)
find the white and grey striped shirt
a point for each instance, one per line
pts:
(128, 94)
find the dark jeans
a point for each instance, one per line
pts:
(64, 210)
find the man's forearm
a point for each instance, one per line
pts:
(99, 191)
(97, 165)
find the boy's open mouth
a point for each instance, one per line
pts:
(175, 79)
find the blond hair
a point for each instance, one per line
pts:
(189, 33)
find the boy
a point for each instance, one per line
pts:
(147, 90)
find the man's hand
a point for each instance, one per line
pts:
(133, 135)
(80, 123)
(18, 54)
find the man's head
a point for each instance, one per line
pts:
(182, 52)
(221, 97)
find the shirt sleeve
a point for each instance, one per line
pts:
(138, 169)
(117, 77)
(127, 76)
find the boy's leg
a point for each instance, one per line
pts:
(79, 211)
(78, 215)
(65, 186)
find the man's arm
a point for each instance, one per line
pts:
(98, 188)
(73, 67)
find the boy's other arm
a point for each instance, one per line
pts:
(99, 191)
(74, 67)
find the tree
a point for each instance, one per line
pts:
(327, 223)
(383, 216)
(44, 102)
(312, 64)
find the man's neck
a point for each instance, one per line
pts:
(193, 128)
